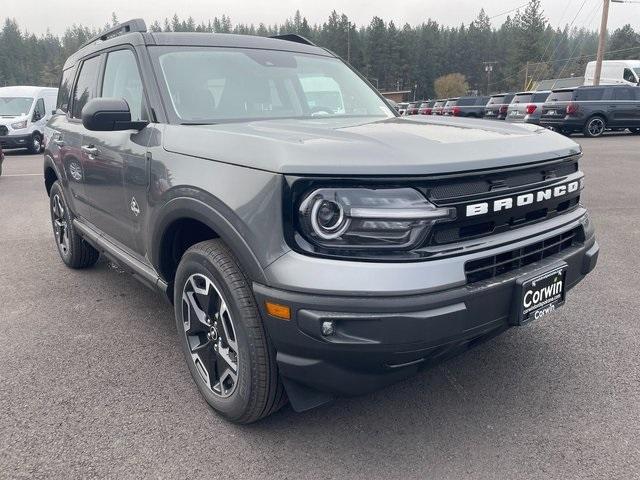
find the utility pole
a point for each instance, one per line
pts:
(488, 67)
(349, 42)
(526, 77)
(601, 41)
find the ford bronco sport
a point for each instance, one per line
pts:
(314, 243)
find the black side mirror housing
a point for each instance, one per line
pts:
(109, 115)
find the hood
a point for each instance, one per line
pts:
(396, 146)
(8, 120)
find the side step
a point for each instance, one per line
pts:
(145, 273)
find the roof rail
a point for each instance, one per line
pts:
(135, 25)
(294, 37)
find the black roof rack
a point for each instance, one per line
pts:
(294, 37)
(135, 25)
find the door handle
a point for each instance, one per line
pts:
(90, 150)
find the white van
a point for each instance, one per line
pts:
(625, 72)
(24, 112)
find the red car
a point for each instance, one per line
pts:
(426, 108)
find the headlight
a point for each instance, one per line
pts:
(19, 125)
(366, 218)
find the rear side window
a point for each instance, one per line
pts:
(539, 97)
(86, 86)
(508, 98)
(122, 80)
(624, 94)
(589, 94)
(64, 90)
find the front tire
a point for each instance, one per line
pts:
(594, 127)
(74, 251)
(224, 340)
(35, 145)
(635, 131)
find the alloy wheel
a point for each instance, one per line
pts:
(596, 127)
(60, 225)
(210, 335)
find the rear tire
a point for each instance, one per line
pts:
(226, 347)
(635, 131)
(594, 127)
(74, 251)
(35, 145)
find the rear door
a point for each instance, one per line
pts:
(115, 162)
(624, 107)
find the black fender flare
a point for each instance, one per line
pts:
(196, 209)
(49, 163)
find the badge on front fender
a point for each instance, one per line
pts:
(539, 293)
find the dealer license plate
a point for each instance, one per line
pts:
(540, 294)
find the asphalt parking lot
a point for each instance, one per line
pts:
(92, 381)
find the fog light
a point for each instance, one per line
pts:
(328, 328)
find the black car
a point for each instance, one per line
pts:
(592, 110)
(468, 107)
(498, 106)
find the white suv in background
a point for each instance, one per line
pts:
(24, 111)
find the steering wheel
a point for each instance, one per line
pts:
(315, 110)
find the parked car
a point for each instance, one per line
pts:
(402, 108)
(625, 72)
(448, 106)
(470, 106)
(426, 108)
(306, 250)
(24, 112)
(1, 159)
(526, 107)
(413, 108)
(438, 107)
(593, 110)
(497, 106)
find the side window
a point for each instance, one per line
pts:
(122, 80)
(589, 94)
(64, 90)
(629, 76)
(623, 94)
(39, 110)
(86, 85)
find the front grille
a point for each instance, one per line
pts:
(3, 130)
(490, 267)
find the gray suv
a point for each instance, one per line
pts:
(314, 243)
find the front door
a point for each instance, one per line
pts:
(108, 157)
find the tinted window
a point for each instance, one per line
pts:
(86, 85)
(213, 84)
(482, 100)
(523, 98)
(39, 110)
(561, 96)
(539, 97)
(496, 100)
(629, 76)
(122, 80)
(624, 94)
(64, 90)
(508, 98)
(589, 94)
(463, 102)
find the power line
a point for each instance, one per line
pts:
(509, 11)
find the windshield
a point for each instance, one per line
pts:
(212, 84)
(15, 106)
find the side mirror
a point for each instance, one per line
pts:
(109, 115)
(54, 111)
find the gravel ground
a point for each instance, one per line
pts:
(93, 384)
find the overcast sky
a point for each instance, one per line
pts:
(39, 15)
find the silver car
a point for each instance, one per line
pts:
(526, 107)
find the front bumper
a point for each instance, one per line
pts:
(380, 339)
(15, 141)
